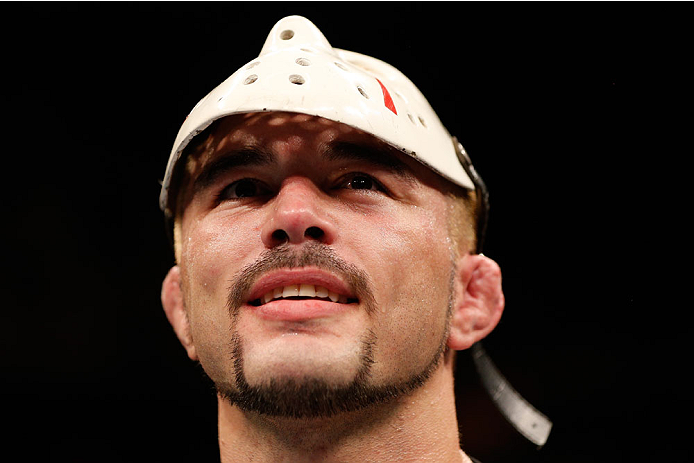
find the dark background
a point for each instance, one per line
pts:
(565, 110)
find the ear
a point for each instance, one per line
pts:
(478, 301)
(172, 300)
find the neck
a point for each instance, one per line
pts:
(420, 426)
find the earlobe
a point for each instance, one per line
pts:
(478, 301)
(172, 301)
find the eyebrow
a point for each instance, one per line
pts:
(249, 156)
(256, 156)
(375, 155)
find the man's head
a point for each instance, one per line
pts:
(320, 269)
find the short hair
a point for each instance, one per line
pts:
(463, 219)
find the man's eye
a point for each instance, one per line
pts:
(244, 188)
(360, 182)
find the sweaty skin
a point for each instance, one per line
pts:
(277, 200)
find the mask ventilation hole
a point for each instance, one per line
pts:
(303, 62)
(341, 66)
(296, 79)
(286, 34)
(250, 79)
(253, 64)
(363, 93)
(424, 124)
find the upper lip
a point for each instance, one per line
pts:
(310, 276)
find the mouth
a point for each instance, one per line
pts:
(299, 285)
(302, 291)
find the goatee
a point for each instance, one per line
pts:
(312, 397)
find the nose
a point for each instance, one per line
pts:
(298, 214)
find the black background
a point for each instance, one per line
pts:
(562, 107)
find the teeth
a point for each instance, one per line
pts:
(305, 291)
(291, 290)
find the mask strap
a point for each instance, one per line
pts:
(480, 190)
(525, 418)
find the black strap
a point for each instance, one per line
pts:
(527, 420)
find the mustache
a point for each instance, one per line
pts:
(312, 254)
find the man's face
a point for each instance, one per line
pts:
(313, 258)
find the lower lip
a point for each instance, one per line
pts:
(293, 311)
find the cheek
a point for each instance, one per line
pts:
(214, 247)
(416, 248)
(411, 277)
(211, 254)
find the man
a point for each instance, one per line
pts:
(325, 232)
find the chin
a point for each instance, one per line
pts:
(300, 379)
(300, 360)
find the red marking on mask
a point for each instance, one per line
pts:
(387, 100)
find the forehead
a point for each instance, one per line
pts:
(281, 134)
(276, 133)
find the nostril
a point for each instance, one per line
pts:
(314, 232)
(280, 236)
